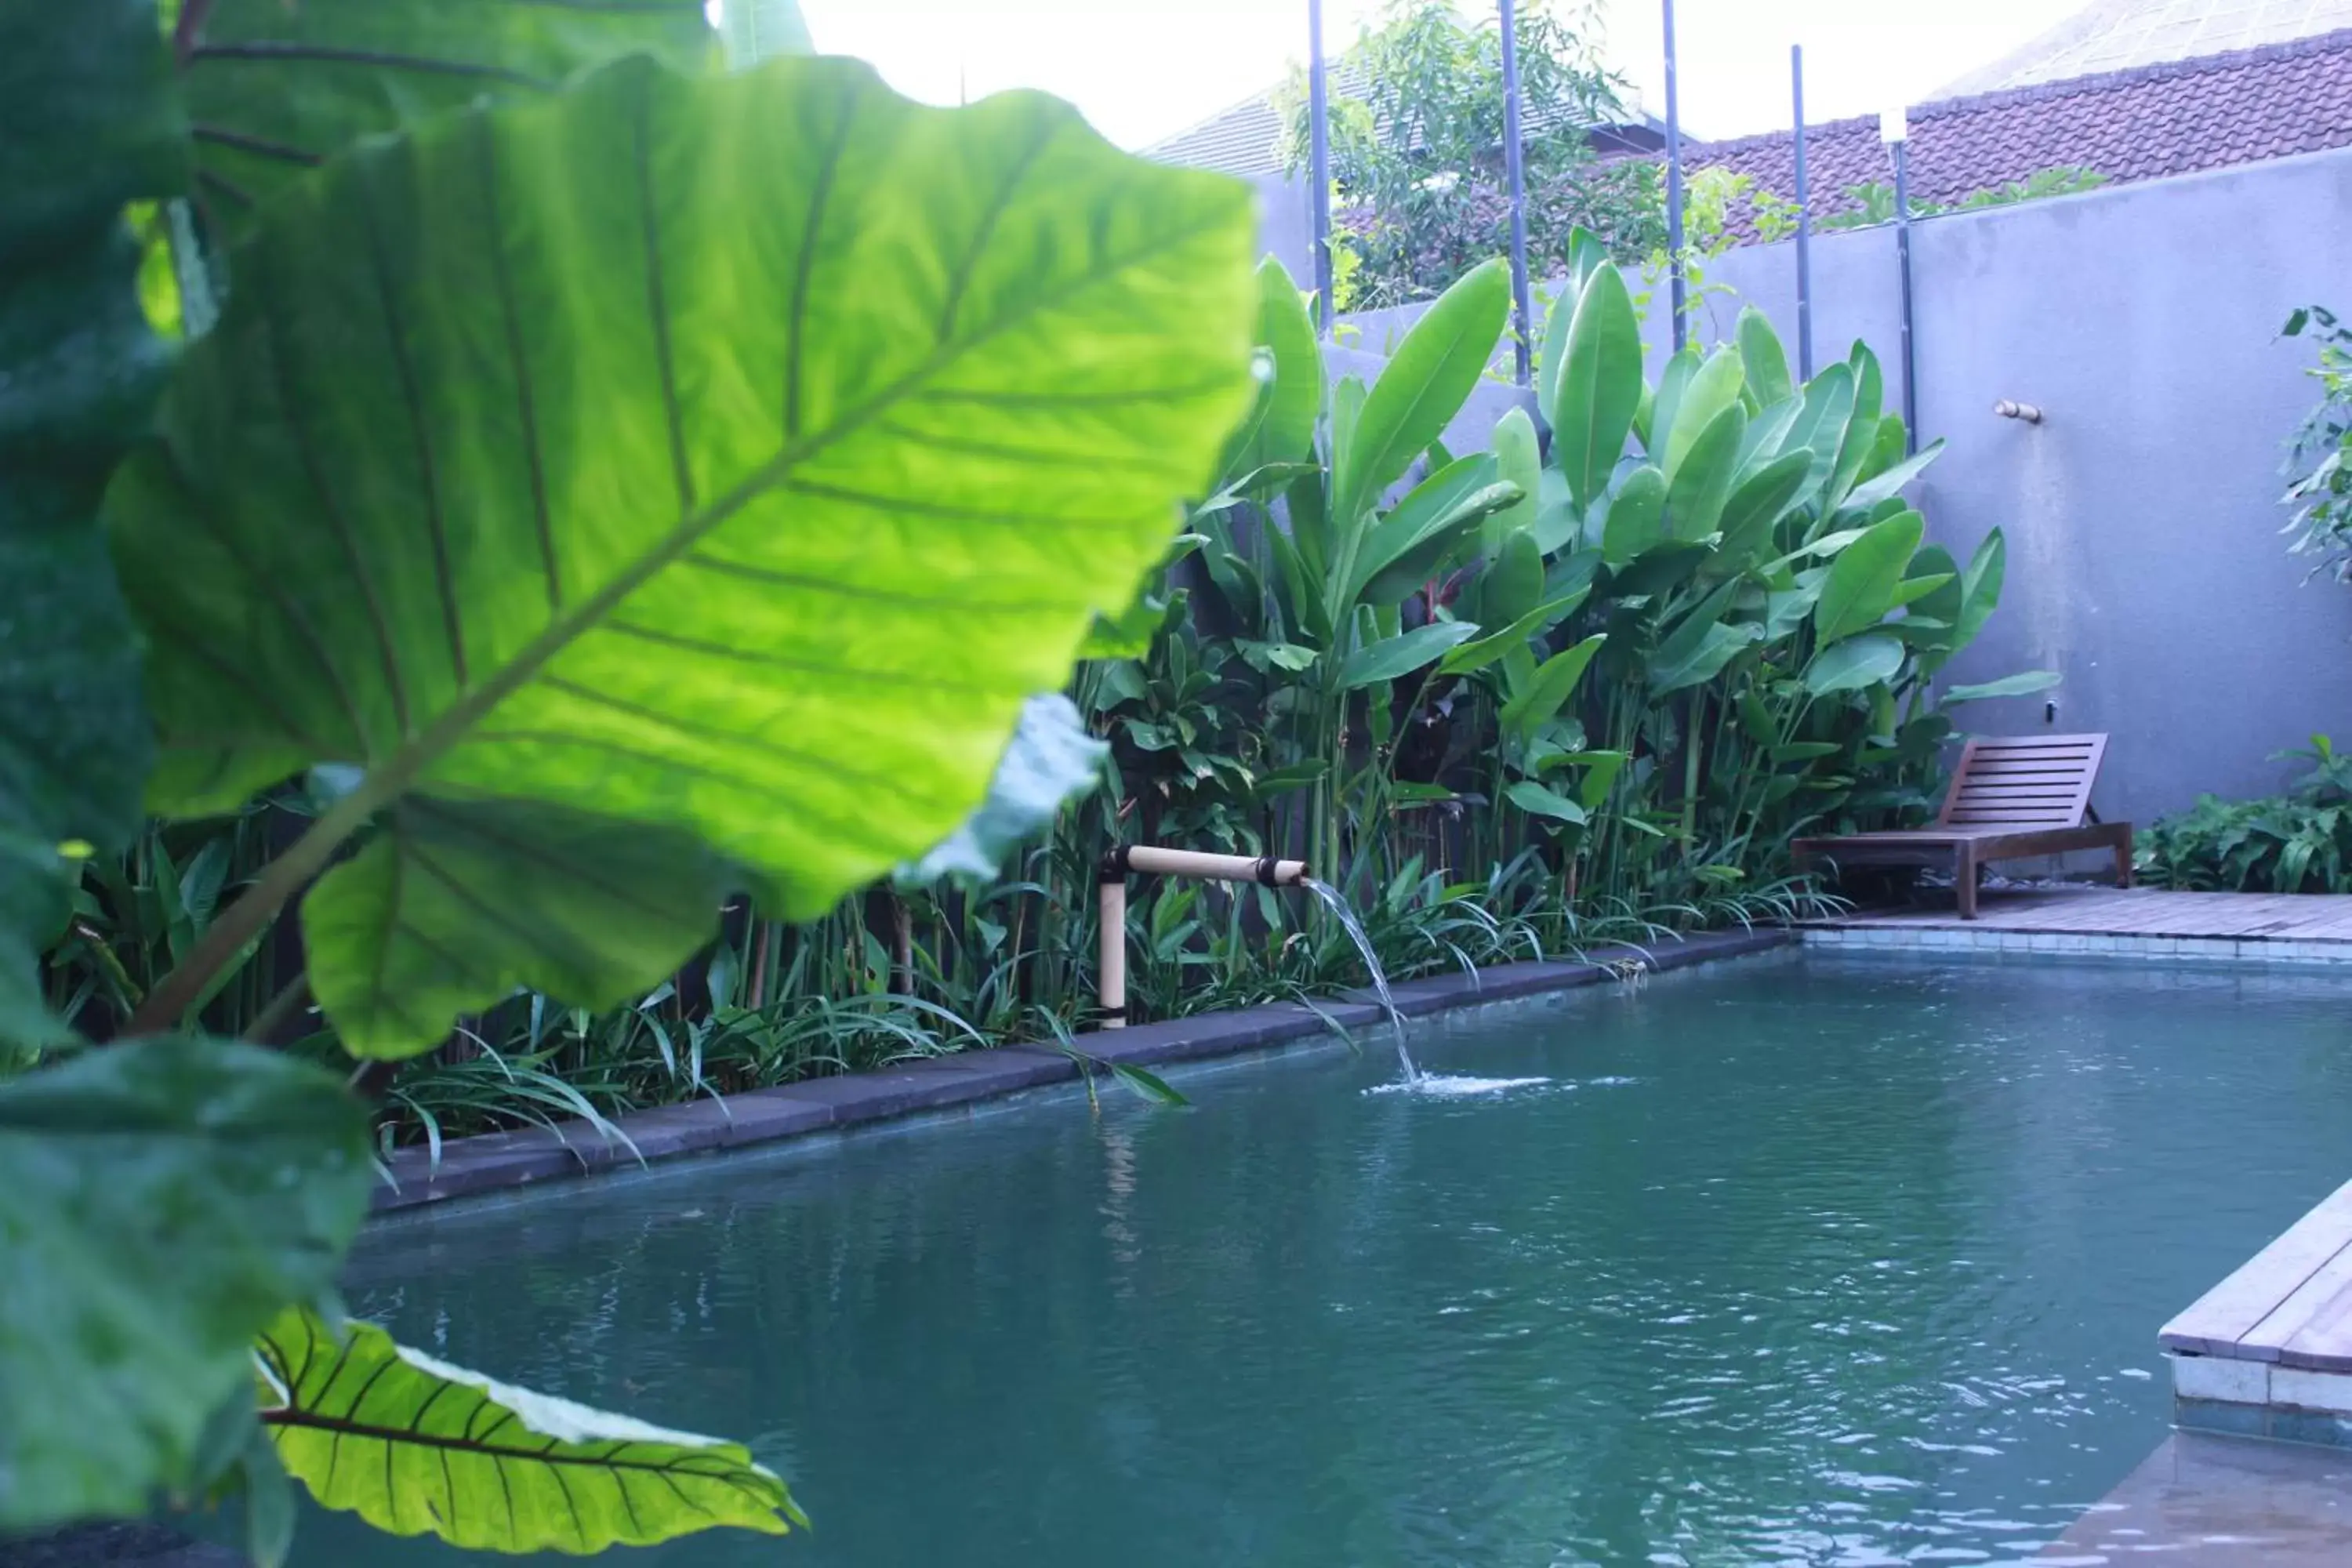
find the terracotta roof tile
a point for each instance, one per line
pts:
(2138, 125)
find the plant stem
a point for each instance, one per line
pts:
(290, 1000)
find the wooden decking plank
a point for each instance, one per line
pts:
(2220, 1320)
(2302, 1308)
(2325, 1344)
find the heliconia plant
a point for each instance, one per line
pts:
(1662, 626)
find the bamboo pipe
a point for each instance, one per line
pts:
(1151, 861)
(1110, 977)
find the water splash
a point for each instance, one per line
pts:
(1355, 929)
(1450, 1086)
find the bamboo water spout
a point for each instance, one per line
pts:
(1151, 861)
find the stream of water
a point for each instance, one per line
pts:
(1355, 929)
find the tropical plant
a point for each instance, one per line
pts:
(1416, 133)
(2298, 842)
(2316, 461)
(585, 549)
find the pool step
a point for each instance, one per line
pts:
(2268, 1352)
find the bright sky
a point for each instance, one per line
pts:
(1142, 68)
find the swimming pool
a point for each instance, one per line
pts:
(1817, 1259)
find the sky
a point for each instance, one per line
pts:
(1143, 69)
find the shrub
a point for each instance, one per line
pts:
(2299, 842)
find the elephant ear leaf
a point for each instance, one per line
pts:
(160, 1201)
(274, 88)
(416, 1446)
(744, 499)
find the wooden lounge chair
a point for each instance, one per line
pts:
(2030, 795)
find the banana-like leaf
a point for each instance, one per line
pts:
(276, 89)
(1714, 388)
(1281, 430)
(160, 1202)
(1821, 424)
(1519, 460)
(1863, 579)
(1697, 490)
(1420, 390)
(88, 123)
(1435, 525)
(1851, 665)
(1539, 800)
(1599, 386)
(2025, 683)
(1720, 644)
(1758, 503)
(1980, 589)
(1766, 363)
(746, 497)
(1471, 657)
(1637, 520)
(1655, 421)
(1890, 481)
(1511, 584)
(416, 1446)
(1553, 683)
(1393, 659)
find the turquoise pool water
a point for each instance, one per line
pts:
(1806, 1260)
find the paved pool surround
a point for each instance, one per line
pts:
(503, 1161)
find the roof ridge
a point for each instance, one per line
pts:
(2329, 42)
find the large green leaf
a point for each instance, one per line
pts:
(1854, 664)
(1393, 659)
(1287, 432)
(1714, 389)
(1519, 460)
(1433, 525)
(1758, 502)
(1540, 800)
(275, 88)
(1553, 683)
(160, 1202)
(1636, 516)
(2025, 683)
(1599, 385)
(416, 1446)
(87, 123)
(1865, 576)
(1890, 480)
(1981, 588)
(1420, 389)
(746, 496)
(1761, 358)
(1697, 490)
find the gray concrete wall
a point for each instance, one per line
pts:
(2145, 560)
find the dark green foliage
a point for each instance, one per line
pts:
(2299, 842)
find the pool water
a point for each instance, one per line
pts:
(1808, 1260)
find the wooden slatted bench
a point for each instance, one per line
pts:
(2028, 794)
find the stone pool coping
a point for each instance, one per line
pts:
(497, 1162)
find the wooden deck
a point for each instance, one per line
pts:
(2291, 1304)
(2238, 918)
